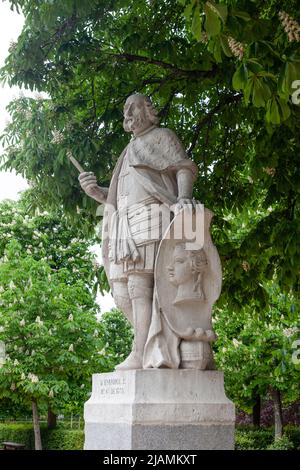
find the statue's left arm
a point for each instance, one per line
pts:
(186, 169)
(185, 179)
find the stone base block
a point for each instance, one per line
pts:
(159, 409)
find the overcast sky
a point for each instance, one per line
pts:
(10, 28)
(11, 184)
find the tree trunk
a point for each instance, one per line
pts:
(256, 412)
(51, 421)
(278, 421)
(36, 426)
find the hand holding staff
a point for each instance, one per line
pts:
(88, 182)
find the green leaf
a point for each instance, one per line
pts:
(241, 14)
(248, 90)
(255, 66)
(272, 114)
(220, 10)
(217, 50)
(188, 10)
(240, 77)
(285, 109)
(197, 24)
(261, 92)
(225, 45)
(212, 22)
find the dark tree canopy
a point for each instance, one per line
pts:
(222, 76)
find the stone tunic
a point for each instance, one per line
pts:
(143, 185)
(140, 218)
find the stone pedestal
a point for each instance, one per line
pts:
(159, 409)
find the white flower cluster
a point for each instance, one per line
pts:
(290, 25)
(34, 378)
(245, 266)
(204, 38)
(236, 48)
(288, 332)
(39, 321)
(269, 171)
(58, 137)
(36, 234)
(236, 343)
(28, 115)
(12, 46)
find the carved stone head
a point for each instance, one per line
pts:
(139, 114)
(186, 271)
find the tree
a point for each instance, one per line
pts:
(255, 350)
(117, 335)
(222, 75)
(51, 237)
(50, 331)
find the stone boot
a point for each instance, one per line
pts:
(142, 311)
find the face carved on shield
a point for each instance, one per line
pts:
(186, 273)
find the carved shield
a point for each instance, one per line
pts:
(188, 274)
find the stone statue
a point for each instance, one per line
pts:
(165, 275)
(164, 287)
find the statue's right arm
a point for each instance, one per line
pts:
(88, 182)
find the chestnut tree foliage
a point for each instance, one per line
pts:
(50, 338)
(47, 308)
(221, 75)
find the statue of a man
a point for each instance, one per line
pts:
(153, 171)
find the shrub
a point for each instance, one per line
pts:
(253, 439)
(62, 439)
(293, 433)
(52, 439)
(247, 438)
(281, 444)
(21, 433)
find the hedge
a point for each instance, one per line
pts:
(63, 439)
(60, 438)
(52, 439)
(247, 438)
(22, 433)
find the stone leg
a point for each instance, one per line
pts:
(122, 299)
(140, 288)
